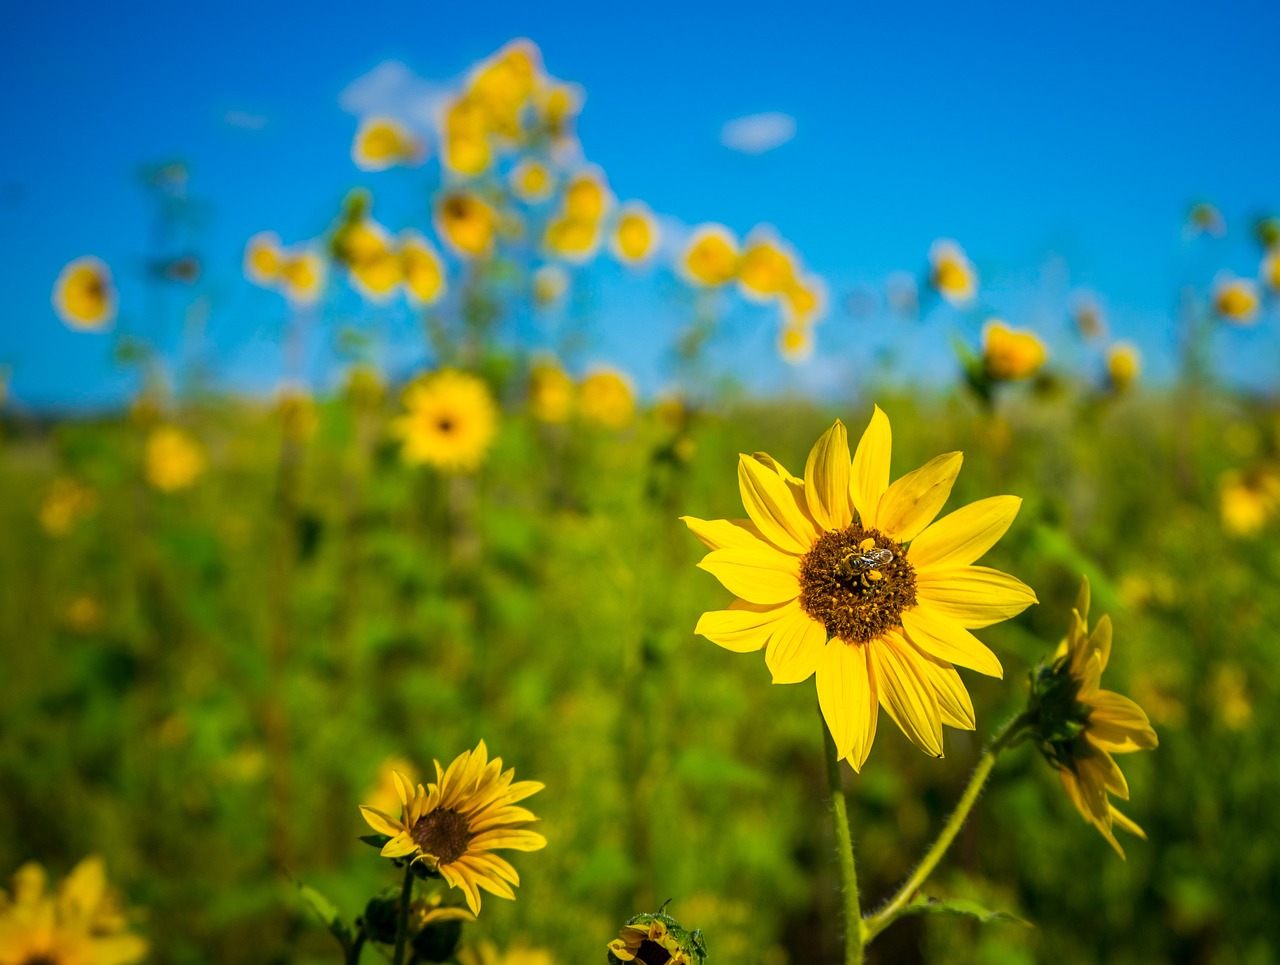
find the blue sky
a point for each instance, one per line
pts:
(1060, 145)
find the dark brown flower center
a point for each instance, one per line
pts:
(40, 958)
(443, 833)
(856, 582)
(444, 424)
(651, 953)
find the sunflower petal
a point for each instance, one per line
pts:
(905, 693)
(1117, 724)
(795, 647)
(944, 638)
(399, 846)
(744, 626)
(847, 698)
(380, 821)
(973, 596)
(911, 503)
(509, 838)
(772, 506)
(719, 534)
(962, 537)
(765, 576)
(869, 475)
(954, 705)
(826, 479)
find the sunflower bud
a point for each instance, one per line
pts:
(657, 939)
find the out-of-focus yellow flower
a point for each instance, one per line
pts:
(550, 392)
(503, 84)
(795, 343)
(550, 282)
(1229, 688)
(383, 142)
(297, 411)
(1009, 354)
(382, 795)
(465, 149)
(455, 825)
(66, 503)
(84, 296)
(1078, 726)
(364, 386)
(369, 253)
(486, 953)
(572, 238)
(421, 268)
(1205, 218)
(298, 272)
(531, 181)
(606, 397)
(586, 196)
(766, 270)
(1249, 500)
(1089, 319)
(1124, 365)
(84, 923)
(635, 235)
(951, 273)
(1237, 300)
(263, 259)
(449, 422)
(711, 256)
(804, 300)
(466, 223)
(173, 460)
(1269, 271)
(558, 105)
(85, 614)
(845, 576)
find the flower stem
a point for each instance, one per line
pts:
(893, 909)
(853, 932)
(402, 920)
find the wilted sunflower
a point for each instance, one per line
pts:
(1009, 354)
(84, 296)
(174, 461)
(711, 256)
(450, 421)
(951, 273)
(635, 236)
(842, 575)
(383, 142)
(454, 824)
(83, 924)
(1078, 726)
(467, 223)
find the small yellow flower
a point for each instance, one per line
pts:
(263, 259)
(1124, 365)
(711, 256)
(302, 275)
(1009, 354)
(1249, 500)
(465, 149)
(951, 273)
(1270, 269)
(83, 924)
(450, 421)
(1079, 726)
(173, 460)
(804, 300)
(383, 142)
(84, 296)
(795, 343)
(85, 614)
(486, 953)
(531, 181)
(606, 397)
(297, 411)
(421, 268)
(550, 393)
(572, 239)
(1237, 300)
(466, 223)
(586, 197)
(842, 575)
(767, 268)
(66, 503)
(503, 84)
(1229, 688)
(635, 235)
(550, 282)
(368, 251)
(455, 824)
(558, 105)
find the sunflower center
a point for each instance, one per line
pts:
(444, 424)
(856, 582)
(443, 834)
(651, 953)
(40, 958)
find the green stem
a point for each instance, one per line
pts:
(402, 922)
(853, 930)
(354, 949)
(892, 909)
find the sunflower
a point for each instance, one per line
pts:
(368, 251)
(804, 300)
(173, 460)
(1079, 726)
(951, 273)
(635, 236)
(420, 266)
(66, 503)
(456, 823)
(1236, 300)
(607, 398)
(383, 142)
(1269, 270)
(1124, 365)
(711, 257)
(531, 181)
(83, 295)
(82, 924)
(550, 392)
(450, 421)
(1249, 500)
(657, 939)
(586, 196)
(841, 575)
(467, 223)
(767, 268)
(263, 258)
(574, 239)
(302, 274)
(549, 283)
(795, 343)
(1009, 354)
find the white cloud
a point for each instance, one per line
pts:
(250, 122)
(393, 89)
(758, 133)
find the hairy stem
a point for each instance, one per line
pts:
(402, 920)
(853, 932)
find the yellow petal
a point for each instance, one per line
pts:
(973, 596)
(1126, 824)
(1100, 641)
(381, 822)
(399, 846)
(945, 639)
(795, 646)
(869, 475)
(905, 693)
(1117, 724)
(765, 576)
(911, 503)
(744, 626)
(826, 479)
(772, 507)
(847, 697)
(719, 534)
(960, 538)
(514, 840)
(954, 705)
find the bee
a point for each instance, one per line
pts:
(865, 564)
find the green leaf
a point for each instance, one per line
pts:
(375, 840)
(963, 908)
(327, 912)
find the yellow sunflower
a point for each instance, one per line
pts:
(465, 148)
(1009, 354)
(842, 575)
(711, 256)
(550, 392)
(66, 503)
(531, 181)
(635, 236)
(1079, 726)
(83, 924)
(466, 223)
(951, 273)
(586, 196)
(368, 251)
(421, 268)
(573, 239)
(486, 953)
(454, 824)
(450, 421)
(1124, 365)
(795, 343)
(84, 296)
(1249, 500)
(1237, 300)
(606, 397)
(549, 283)
(263, 258)
(767, 268)
(174, 461)
(383, 142)
(302, 274)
